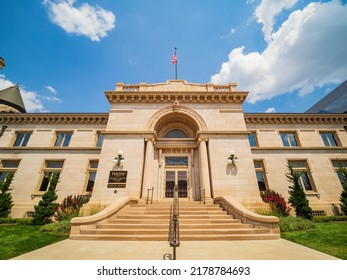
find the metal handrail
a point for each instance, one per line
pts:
(174, 229)
(149, 198)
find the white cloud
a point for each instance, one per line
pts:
(86, 20)
(51, 89)
(268, 10)
(270, 110)
(32, 100)
(307, 51)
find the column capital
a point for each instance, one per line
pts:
(150, 139)
(201, 139)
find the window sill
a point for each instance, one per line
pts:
(312, 194)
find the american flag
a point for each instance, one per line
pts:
(174, 58)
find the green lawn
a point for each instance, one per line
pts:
(329, 238)
(16, 240)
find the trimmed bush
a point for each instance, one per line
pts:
(287, 224)
(326, 219)
(62, 228)
(46, 208)
(18, 221)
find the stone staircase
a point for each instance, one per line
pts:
(151, 222)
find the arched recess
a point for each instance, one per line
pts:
(182, 118)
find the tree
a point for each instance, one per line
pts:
(46, 208)
(297, 197)
(343, 198)
(6, 202)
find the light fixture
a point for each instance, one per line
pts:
(119, 159)
(232, 159)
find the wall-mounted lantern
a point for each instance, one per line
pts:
(232, 159)
(119, 159)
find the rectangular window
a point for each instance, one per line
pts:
(305, 178)
(7, 167)
(338, 164)
(329, 139)
(289, 139)
(252, 137)
(22, 139)
(63, 139)
(92, 168)
(100, 140)
(260, 173)
(51, 167)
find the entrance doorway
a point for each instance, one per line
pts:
(175, 177)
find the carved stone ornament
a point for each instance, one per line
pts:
(175, 106)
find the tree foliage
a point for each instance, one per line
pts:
(46, 208)
(297, 197)
(70, 207)
(343, 198)
(6, 202)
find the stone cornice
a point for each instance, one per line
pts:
(291, 118)
(172, 96)
(56, 118)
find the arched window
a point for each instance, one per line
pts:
(176, 133)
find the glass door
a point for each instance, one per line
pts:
(177, 178)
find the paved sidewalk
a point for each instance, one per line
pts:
(189, 250)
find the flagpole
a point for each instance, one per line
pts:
(176, 64)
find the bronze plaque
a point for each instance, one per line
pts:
(117, 179)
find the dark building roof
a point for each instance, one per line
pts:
(334, 102)
(11, 97)
(2, 63)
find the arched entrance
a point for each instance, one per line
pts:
(175, 146)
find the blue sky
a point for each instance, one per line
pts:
(64, 53)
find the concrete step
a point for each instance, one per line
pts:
(165, 226)
(183, 232)
(163, 237)
(151, 222)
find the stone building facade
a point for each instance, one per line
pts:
(195, 136)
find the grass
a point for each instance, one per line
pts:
(16, 240)
(329, 238)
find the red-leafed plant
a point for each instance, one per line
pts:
(276, 202)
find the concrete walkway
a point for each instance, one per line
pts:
(189, 250)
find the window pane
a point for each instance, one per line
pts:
(332, 140)
(292, 140)
(26, 139)
(176, 161)
(67, 139)
(258, 164)
(60, 137)
(306, 181)
(100, 140)
(284, 139)
(176, 133)
(19, 139)
(252, 141)
(93, 164)
(54, 164)
(338, 163)
(339, 174)
(91, 181)
(10, 163)
(261, 181)
(3, 175)
(297, 164)
(45, 181)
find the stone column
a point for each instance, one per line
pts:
(204, 170)
(147, 174)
